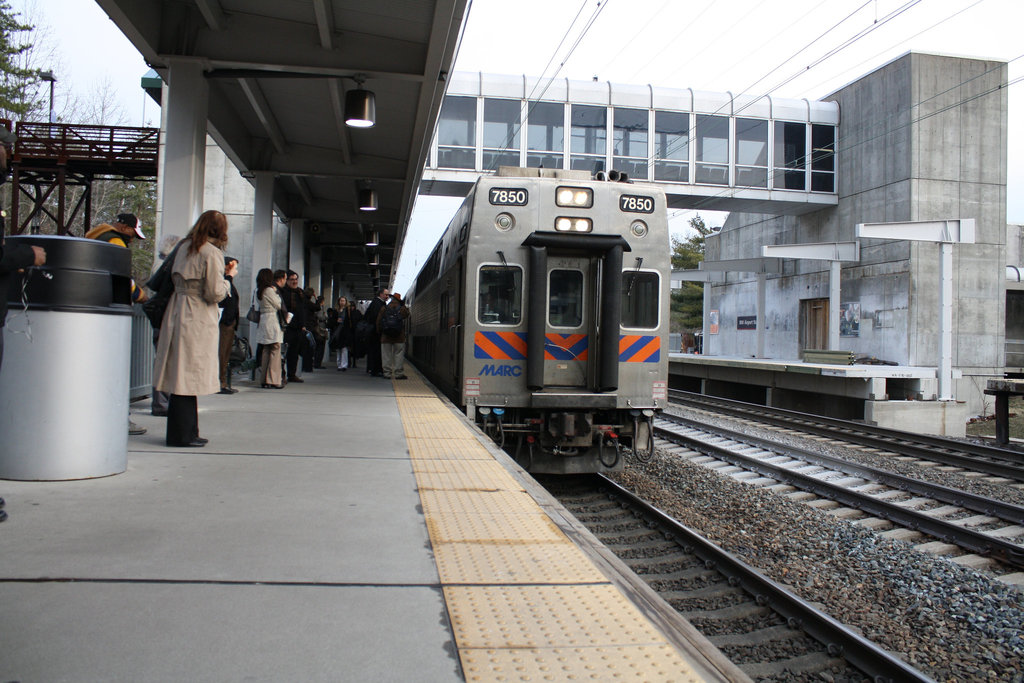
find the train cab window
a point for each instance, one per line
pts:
(565, 298)
(500, 295)
(640, 292)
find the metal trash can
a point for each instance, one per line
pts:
(64, 379)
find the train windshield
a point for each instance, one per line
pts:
(639, 299)
(501, 295)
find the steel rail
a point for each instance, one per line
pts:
(995, 461)
(965, 499)
(860, 652)
(976, 542)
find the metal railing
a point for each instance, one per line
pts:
(142, 356)
(82, 142)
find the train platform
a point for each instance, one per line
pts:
(894, 396)
(345, 528)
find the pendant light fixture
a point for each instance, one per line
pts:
(360, 106)
(367, 199)
(372, 238)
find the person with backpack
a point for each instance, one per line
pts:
(391, 327)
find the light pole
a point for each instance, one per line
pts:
(51, 79)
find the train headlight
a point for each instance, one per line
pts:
(577, 197)
(638, 228)
(504, 222)
(567, 224)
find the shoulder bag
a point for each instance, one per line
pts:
(253, 315)
(162, 285)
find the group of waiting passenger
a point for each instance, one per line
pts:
(190, 343)
(296, 319)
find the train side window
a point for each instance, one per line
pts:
(640, 298)
(500, 295)
(565, 298)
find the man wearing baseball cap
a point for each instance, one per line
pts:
(126, 227)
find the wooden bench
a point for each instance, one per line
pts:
(1003, 389)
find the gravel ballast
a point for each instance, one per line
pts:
(952, 623)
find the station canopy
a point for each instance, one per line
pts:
(279, 73)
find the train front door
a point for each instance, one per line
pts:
(570, 328)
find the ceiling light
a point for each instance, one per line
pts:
(372, 238)
(367, 200)
(374, 259)
(360, 107)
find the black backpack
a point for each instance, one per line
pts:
(391, 324)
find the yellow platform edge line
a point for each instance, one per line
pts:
(433, 433)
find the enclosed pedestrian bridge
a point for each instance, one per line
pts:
(710, 151)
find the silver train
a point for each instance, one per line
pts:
(543, 312)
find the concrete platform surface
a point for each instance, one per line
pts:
(291, 547)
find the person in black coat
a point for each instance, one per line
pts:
(228, 323)
(355, 351)
(344, 334)
(13, 258)
(374, 366)
(295, 332)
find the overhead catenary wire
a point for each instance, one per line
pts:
(832, 52)
(841, 145)
(771, 39)
(601, 5)
(875, 56)
(849, 141)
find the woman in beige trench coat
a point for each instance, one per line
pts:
(187, 363)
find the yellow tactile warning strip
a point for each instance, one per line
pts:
(526, 604)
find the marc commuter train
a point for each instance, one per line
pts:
(543, 312)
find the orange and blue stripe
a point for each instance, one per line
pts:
(636, 348)
(566, 346)
(500, 345)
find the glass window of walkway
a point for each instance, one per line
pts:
(823, 158)
(672, 146)
(456, 133)
(712, 150)
(630, 142)
(752, 152)
(589, 132)
(545, 135)
(501, 133)
(790, 156)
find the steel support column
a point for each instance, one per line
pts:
(185, 143)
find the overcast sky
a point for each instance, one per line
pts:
(796, 48)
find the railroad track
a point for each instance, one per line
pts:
(763, 628)
(987, 534)
(994, 462)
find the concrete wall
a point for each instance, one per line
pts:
(918, 140)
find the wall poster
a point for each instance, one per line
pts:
(712, 322)
(849, 319)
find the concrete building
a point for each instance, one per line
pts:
(922, 138)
